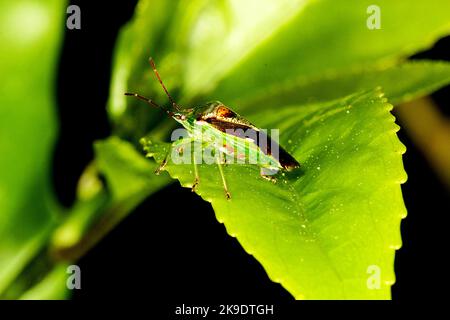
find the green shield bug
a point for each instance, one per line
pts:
(217, 126)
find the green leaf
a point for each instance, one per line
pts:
(139, 39)
(30, 37)
(401, 83)
(321, 233)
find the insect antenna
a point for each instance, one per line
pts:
(149, 101)
(174, 104)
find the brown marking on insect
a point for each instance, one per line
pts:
(224, 125)
(224, 112)
(286, 160)
(217, 111)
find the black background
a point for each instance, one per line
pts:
(172, 247)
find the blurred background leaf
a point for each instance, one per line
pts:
(53, 286)
(130, 180)
(203, 49)
(31, 37)
(403, 82)
(327, 38)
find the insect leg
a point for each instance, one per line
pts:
(219, 164)
(197, 178)
(179, 144)
(163, 164)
